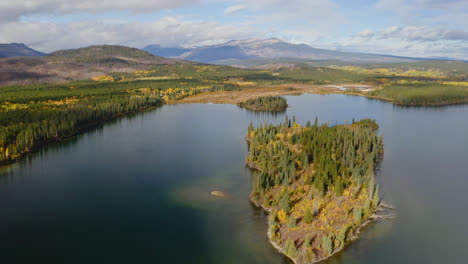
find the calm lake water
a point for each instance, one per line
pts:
(137, 190)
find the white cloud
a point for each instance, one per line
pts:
(14, 9)
(415, 33)
(425, 27)
(367, 33)
(300, 21)
(296, 11)
(435, 4)
(441, 3)
(234, 9)
(425, 12)
(411, 41)
(167, 31)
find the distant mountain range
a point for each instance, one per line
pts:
(243, 53)
(165, 51)
(24, 65)
(18, 50)
(237, 52)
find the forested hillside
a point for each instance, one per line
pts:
(77, 65)
(316, 181)
(33, 115)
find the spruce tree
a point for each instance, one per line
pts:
(375, 199)
(308, 217)
(284, 202)
(304, 160)
(306, 243)
(292, 222)
(339, 187)
(290, 249)
(327, 244)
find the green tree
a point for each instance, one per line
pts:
(308, 217)
(358, 215)
(342, 235)
(285, 200)
(292, 222)
(304, 160)
(327, 244)
(290, 249)
(339, 187)
(375, 199)
(306, 243)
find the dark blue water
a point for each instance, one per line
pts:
(137, 190)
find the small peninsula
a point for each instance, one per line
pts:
(266, 103)
(317, 183)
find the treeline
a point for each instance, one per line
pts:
(224, 87)
(26, 128)
(267, 103)
(287, 75)
(317, 180)
(44, 92)
(422, 93)
(188, 71)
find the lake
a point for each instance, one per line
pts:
(137, 190)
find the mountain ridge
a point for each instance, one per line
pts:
(18, 50)
(274, 48)
(165, 51)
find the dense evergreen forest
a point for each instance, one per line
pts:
(26, 126)
(316, 181)
(33, 115)
(423, 93)
(267, 103)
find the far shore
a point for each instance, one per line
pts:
(254, 91)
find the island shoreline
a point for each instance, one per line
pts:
(371, 219)
(317, 250)
(280, 250)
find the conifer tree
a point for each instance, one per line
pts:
(285, 200)
(292, 222)
(308, 217)
(375, 199)
(327, 244)
(290, 249)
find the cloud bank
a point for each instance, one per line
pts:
(168, 31)
(411, 41)
(14, 9)
(433, 28)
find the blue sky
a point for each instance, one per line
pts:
(422, 28)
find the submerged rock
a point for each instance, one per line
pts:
(217, 194)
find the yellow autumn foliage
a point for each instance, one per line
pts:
(103, 78)
(282, 216)
(456, 83)
(66, 101)
(9, 106)
(392, 72)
